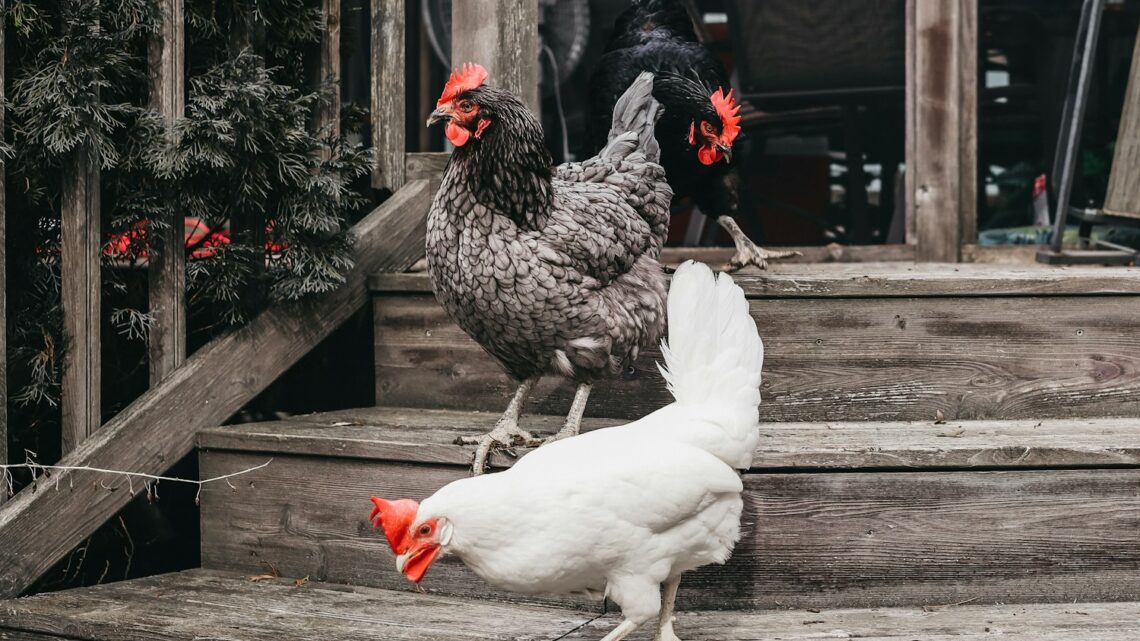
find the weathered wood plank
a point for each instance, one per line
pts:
(426, 436)
(314, 523)
(202, 604)
(1014, 255)
(158, 428)
(827, 359)
(426, 165)
(167, 265)
(82, 290)
(910, 142)
(810, 540)
(3, 270)
(1071, 622)
(198, 604)
(1123, 195)
(328, 116)
(388, 93)
(887, 280)
(968, 107)
(940, 125)
(501, 35)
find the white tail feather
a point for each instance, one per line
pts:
(714, 353)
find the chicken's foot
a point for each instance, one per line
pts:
(574, 418)
(624, 629)
(747, 253)
(666, 618)
(507, 432)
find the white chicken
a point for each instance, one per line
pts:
(622, 511)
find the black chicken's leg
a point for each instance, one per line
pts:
(747, 253)
(507, 432)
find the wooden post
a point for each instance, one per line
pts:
(501, 35)
(167, 340)
(388, 93)
(329, 115)
(941, 125)
(3, 278)
(81, 234)
(1123, 195)
(159, 427)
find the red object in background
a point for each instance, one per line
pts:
(1041, 216)
(202, 240)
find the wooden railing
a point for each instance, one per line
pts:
(204, 390)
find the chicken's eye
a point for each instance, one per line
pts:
(466, 106)
(425, 529)
(706, 127)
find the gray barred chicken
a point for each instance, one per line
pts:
(553, 270)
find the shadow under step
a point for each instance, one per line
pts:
(203, 604)
(836, 514)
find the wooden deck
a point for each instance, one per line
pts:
(836, 514)
(198, 605)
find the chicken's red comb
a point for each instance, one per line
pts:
(396, 517)
(463, 79)
(729, 112)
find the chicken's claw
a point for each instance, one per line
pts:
(747, 253)
(506, 436)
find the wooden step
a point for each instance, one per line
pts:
(204, 604)
(866, 342)
(837, 514)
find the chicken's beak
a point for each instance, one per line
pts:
(440, 114)
(727, 151)
(414, 563)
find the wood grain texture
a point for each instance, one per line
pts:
(156, 430)
(940, 126)
(328, 116)
(968, 178)
(167, 266)
(308, 516)
(201, 604)
(828, 359)
(3, 269)
(809, 540)
(82, 290)
(910, 115)
(888, 280)
(501, 35)
(1123, 195)
(388, 93)
(1071, 622)
(426, 165)
(427, 436)
(198, 605)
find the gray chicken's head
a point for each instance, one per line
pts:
(470, 107)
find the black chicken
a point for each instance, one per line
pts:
(553, 270)
(700, 122)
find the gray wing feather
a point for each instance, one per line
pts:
(635, 116)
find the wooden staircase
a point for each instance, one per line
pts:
(947, 452)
